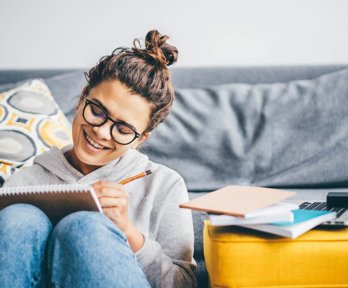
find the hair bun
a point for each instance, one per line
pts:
(157, 50)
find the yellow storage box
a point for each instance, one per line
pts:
(238, 257)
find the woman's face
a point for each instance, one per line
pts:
(93, 146)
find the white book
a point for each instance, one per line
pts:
(226, 220)
(304, 220)
(273, 209)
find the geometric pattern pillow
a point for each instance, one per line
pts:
(30, 123)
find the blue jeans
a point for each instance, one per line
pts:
(85, 249)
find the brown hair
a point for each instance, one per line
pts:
(143, 70)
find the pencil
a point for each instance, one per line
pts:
(142, 174)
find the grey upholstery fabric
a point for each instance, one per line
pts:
(5, 87)
(13, 76)
(289, 134)
(66, 89)
(199, 77)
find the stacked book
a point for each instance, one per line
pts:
(258, 208)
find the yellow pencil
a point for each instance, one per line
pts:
(142, 174)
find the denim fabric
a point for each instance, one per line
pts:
(85, 249)
(24, 231)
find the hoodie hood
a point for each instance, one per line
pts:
(55, 162)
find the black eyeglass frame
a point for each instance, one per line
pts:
(89, 102)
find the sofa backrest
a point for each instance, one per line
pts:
(205, 76)
(270, 126)
(195, 77)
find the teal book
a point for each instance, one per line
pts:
(304, 220)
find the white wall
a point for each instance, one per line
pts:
(75, 33)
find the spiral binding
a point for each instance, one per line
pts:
(43, 189)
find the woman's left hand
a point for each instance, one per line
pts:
(114, 200)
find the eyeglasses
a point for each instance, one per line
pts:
(121, 132)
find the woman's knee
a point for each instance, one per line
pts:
(23, 220)
(22, 216)
(80, 225)
(86, 241)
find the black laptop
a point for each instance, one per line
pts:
(333, 204)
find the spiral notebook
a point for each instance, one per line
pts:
(56, 201)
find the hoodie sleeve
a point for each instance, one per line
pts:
(168, 260)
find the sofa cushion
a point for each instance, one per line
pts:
(30, 123)
(66, 89)
(289, 134)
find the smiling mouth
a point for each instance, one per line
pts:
(95, 144)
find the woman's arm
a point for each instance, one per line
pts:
(167, 260)
(166, 255)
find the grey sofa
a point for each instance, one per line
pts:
(270, 126)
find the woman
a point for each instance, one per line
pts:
(143, 239)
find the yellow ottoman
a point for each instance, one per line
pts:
(238, 257)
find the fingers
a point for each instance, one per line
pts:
(109, 189)
(106, 183)
(113, 199)
(111, 202)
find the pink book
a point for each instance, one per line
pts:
(237, 200)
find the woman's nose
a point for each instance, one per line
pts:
(103, 131)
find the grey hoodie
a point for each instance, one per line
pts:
(167, 254)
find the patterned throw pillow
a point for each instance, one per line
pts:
(30, 123)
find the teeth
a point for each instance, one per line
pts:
(93, 143)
